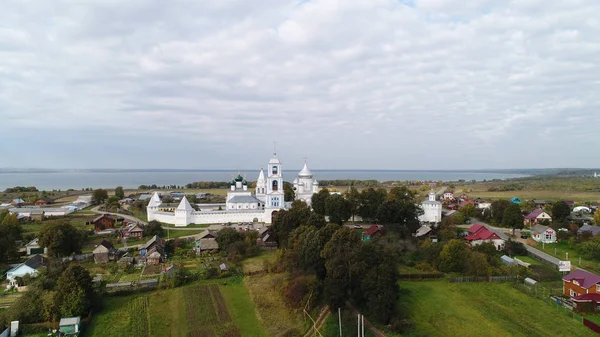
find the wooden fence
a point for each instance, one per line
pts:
(420, 276)
(461, 279)
(591, 325)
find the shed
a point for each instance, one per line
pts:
(530, 281)
(507, 260)
(70, 325)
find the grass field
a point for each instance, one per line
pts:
(528, 194)
(266, 293)
(257, 263)
(528, 259)
(562, 248)
(439, 308)
(197, 310)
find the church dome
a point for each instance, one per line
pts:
(244, 182)
(315, 183)
(305, 173)
(238, 178)
(233, 182)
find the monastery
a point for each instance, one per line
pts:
(241, 205)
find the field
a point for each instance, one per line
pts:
(197, 310)
(439, 308)
(266, 294)
(258, 263)
(528, 259)
(531, 191)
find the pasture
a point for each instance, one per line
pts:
(439, 308)
(198, 310)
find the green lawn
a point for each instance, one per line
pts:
(180, 233)
(215, 308)
(257, 263)
(440, 308)
(562, 248)
(191, 226)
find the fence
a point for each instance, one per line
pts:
(591, 325)
(78, 257)
(420, 276)
(462, 279)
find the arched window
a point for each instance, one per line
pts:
(274, 170)
(275, 186)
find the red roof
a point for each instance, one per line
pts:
(534, 214)
(585, 278)
(479, 232)
(587, 298)
(371, 230)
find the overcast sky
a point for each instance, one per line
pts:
(372, 84)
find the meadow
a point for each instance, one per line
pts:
(439, 308)
(561, 249)
(201, 309)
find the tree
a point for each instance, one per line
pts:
(353, 197)
(99, 196)
(74, 292)
(370, 201)
(318, 201)
(153, 228)
(497, 210)
(61, 238)
(288, 192)
(338, 209)
(560, 212)
(227, 237)
(10, 233)
(453, 257)
(340, 254)
(119, 192)
(468, 210)
(477, 264)
(402, 215)
(512, 218)
(597, 216)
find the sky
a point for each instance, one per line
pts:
(348, 84)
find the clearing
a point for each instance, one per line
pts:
(439, 308)
(202, 309)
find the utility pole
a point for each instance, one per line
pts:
(340, 320)
(358, 332)
(363, 325)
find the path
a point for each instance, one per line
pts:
(125, 216)
(318, 324)
(368, 324)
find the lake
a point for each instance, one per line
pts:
(54, 180)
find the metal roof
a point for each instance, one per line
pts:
(243, 199)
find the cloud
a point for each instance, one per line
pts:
(352, 84)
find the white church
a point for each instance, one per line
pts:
(240, 204)
(432, 209)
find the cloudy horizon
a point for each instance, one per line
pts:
(378, 84)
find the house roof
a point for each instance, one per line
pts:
(372, 230)
(35, 262)
(38, 211)
(70, 321)
(100, 249)
(144, 197)
(534, 214)
(243, 199)
(208, 244)
(585, 278)
(154, 239)
(155, 254)
(587, 228)
(540, 228)
(587, 298)
(18, 201)
(102, 216)
(33, 243)
(535, 201)
(135, 228)
(475, 228)
(424, 229)
(480, 232)
(569, 202)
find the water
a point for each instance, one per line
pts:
(54, 180)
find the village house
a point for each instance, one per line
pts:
(103, 222)
(43, 202)
(126, 201)
(153, 250)
(103, 252)
(583, 288)
(134, 231)
(17, 202)
(545, 234)
(265, 239)
(448, 195)
(478, 234)
(540, 203)
(593, 230)
(372, 232)
(536, 217)
(36, 214)
(206, 242)
(33, 247)
(29, 267)
(70, 326)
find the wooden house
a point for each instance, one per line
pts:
(132, 231)
(265, 239)
(103, 252)
(43, 202)
(371, 233)
(103, 222)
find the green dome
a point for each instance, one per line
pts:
(233, 182)
(239, 178)
(244, 182)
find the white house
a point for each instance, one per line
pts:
(29, 267)
(543, 234)
(448, 195)
(33, 247)
(432, 209)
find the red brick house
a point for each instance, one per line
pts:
(104, 222)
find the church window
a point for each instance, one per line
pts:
(275, 185)
(274, 170)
